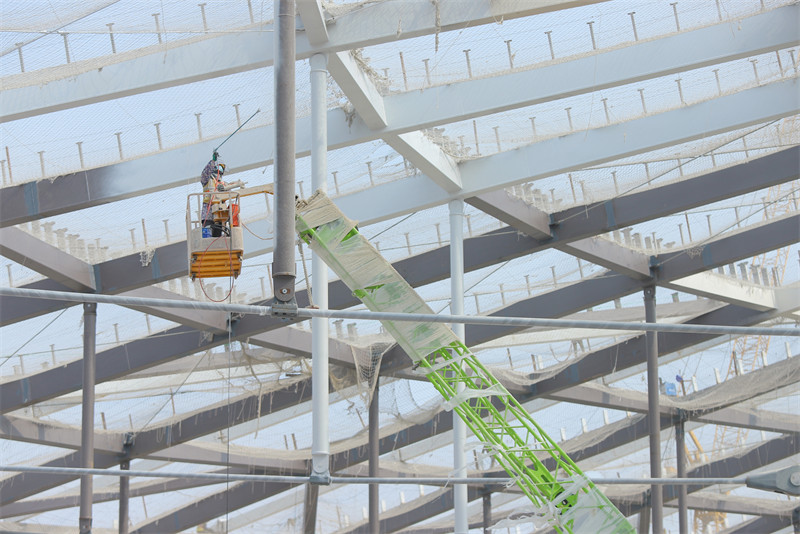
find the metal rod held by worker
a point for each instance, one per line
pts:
(237, 129)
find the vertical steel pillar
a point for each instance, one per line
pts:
(87, 414)
(680, 458)
(654, 411)
(374, 450)
(310, 508)
(124, 497)
(487, 513)
(460, 502)
(320, 447)
(283, 265)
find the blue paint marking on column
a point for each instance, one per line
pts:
(155, 267)
(31, 198)
(98, 282)
(611, 219)
(26, 389)
(707, 256)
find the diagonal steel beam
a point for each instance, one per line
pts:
(183, 341)
(127, 273)
(47, 259)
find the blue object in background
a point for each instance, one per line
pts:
(670, 390)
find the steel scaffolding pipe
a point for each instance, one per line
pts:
(654, 411)
(429, 481)
(283, 264)
(460, 500)
(305, 313)
(87, 415)
(320, 441)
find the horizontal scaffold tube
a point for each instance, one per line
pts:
(306, 313)
(425, 481)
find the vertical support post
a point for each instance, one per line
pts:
(680, 445)
(119, 145)
(550, 42)
(487, 513)
(310, 508)
(460, 502)
(283, 266)
(199, 126)
(111, 36)
(427, 72)
(158, 135)
(605, 108)
(320, 453)
(403, 70)
(591, 33)
(66, 46)
(675, 11)
(21, 61)
(633, 23)
(87, 415)
(238, 118)
(477, 145)
(203, 14)
(374, 453)
(469, 65)
(158, 28)
(510, 55)
(124, 497)
(654, 418)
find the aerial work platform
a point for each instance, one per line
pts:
(220, 255)
(563, 497)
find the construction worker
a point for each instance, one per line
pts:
(211, 179)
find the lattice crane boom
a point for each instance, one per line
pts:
(571, 504)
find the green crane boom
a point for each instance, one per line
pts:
(569, 504)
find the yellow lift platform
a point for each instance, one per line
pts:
(220, 255)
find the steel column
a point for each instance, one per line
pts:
(680, 458)
(654, 424)
(320, 442)
(283, 267)
(487, 513)
(124, 497)
(460, 503)
(374, 454)
(310, 508)
(87, 414)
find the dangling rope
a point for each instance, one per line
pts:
(305, 271)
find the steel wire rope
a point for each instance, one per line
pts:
(7, 358)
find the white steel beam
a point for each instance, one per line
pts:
(369, 104)
(168, 66)
(359, 89)
(428, 157)
(314, 24)
(437, 105)
(582, 149)
(46, 259)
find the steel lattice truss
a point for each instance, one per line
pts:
(656, 145)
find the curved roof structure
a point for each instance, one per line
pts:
(601, 147)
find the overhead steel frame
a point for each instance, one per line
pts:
(407, 113)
